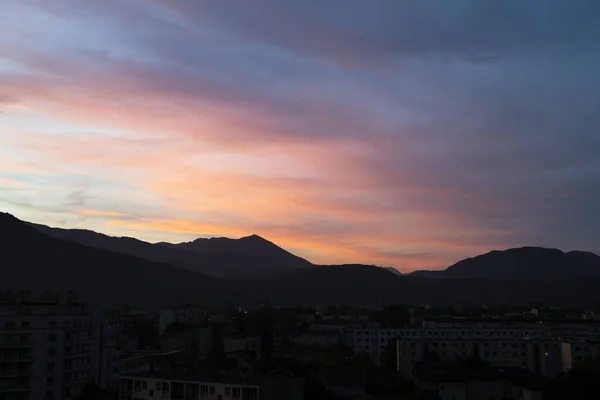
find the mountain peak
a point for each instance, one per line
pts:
(254, 236)
(522, 263)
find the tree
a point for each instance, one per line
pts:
(314, 389)
(394, 316)
(92, 391)
(581, 383)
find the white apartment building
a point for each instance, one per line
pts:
(547, 357)
(585, 335)
(525, 347)
(170, 385)
(51, 346)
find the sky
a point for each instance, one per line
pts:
(401, 133)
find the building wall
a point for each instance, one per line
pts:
(198, 340)
(152, 389)
(584, 350)
(191, 315)
(548, 358)
(233, 344)
(49, 345)
(502, 346)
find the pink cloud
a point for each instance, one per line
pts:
(206, 143)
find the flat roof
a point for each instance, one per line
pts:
(203, 377)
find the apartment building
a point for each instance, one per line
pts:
(525, 347)
(172, 385)
(51, 346)
(243, 343)
(181, 315)
(583, 350)
(548, 357)
(584, 335)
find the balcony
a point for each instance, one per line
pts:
(28, 358)
(17, 345)
(12, 386)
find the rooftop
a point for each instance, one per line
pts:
(202, 376)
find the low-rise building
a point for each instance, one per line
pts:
(243, 343)
(171, 385)
(452, 382)
(187, 338)
(183, 315)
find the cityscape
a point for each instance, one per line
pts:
(299, 200)
(129, 336)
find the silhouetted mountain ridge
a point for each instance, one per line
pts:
(249, 257)
(522, 263)
(32, 260)
(253, 246)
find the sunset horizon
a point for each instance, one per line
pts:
(401, 135)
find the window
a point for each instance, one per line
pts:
(211, 390)
(52, 324)
(10, 325)
(158, 385)
(52, 337)
(227, 391)
(25, 324)
(49, 380)
(51, 351)
(137, 385)
(165, 386)
(249, 393)
(151, 393)
(50, 366)
(49, 394)
(144, 384)
(235, 392)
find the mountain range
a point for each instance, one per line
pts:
(31, 259)
(250, 257)
(522, 263)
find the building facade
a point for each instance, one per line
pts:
(526, 347)
(171, 386)
(50, 347)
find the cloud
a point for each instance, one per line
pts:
(8, 182)
(410, 134)
(360, 32)
(98, 213)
